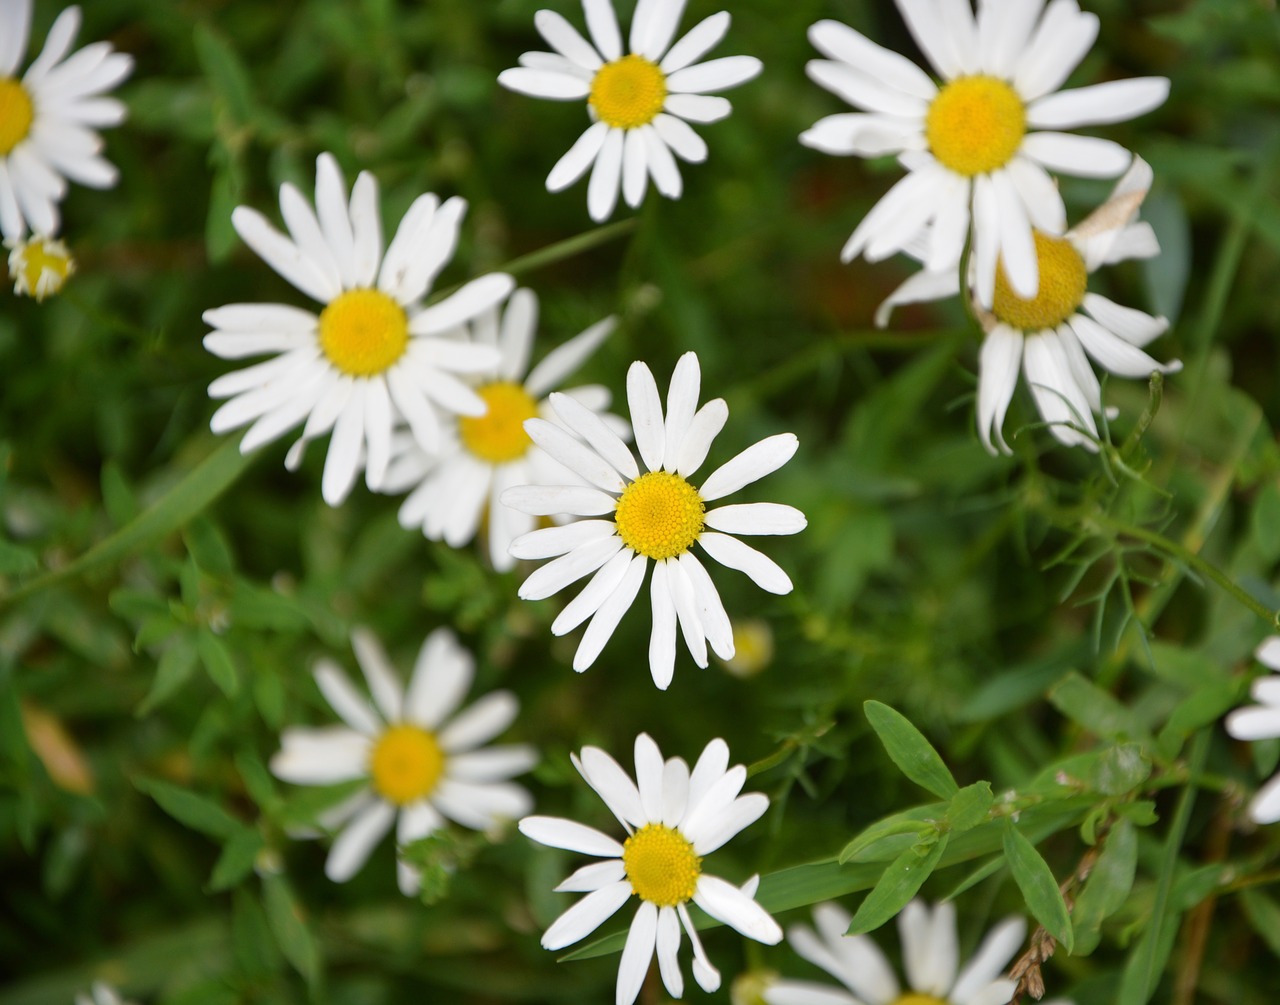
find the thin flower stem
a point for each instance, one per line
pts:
(106, 319)
(569, 247)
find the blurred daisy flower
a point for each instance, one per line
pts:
(1262, 722)
(673, 817)
(100, 994)
(424, 760)
(1053, 335)
(374, 355)
(986, 137)
(640, 103)
(487, 454)
(657, 515)
(38, 266)
(930, 952)
(47, 119)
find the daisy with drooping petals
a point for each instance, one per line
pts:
(930, 954)
(1053, 335)
(673, 817)
(640, 103)
(657, 516)
(487, 454)
(1262, 722)
(39, 266)
(374, 354)
(47, 119)
(983, 138)
(422, 758)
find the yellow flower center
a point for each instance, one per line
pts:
(659, 515)
(628, 92)
(16, 114)
(39, 267)
(1063, 281)
(363, 332)
(406, 764)
(498, 436)
(975, 125)
(911, 998)
(661, 866)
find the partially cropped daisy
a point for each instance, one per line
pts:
(930, 954)
(100, 993)
(986, 136)
(1262, 722)
(673, 817)
(38, 266)
(656, 516)
(640, 102)
(424, 760)
(48, 118)
(1053, 335)
(374, 354)
(487, 454)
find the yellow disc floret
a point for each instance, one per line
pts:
(406, 764)
(498, 436)
(39, 267)
(911, 998)
(1063, 281)
(363, 332)
(16, 114)
(660, 515)
(975, 125)
(661, 866)
(629, 92)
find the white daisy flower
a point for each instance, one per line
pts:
(487, 454)
(100, 994)
(38, 266)
(1053, 335)
(930, 952)
(673, 817)
(656, 516)
(374, 354)
(48, 118)
(421, 757)
(985, 138)
(640, 103)
(1262, 722)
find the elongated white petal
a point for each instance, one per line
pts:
(601, 438)
(383, 684)
(725, 902)
(593, 877)
(564, 38)
(352, 848)
(479, 723)
(586, 916)
(997, 949)
(662, 638)
(696, 43)
(757, 518)
(637, 953)
(607, 616)
(544, 83)
(646, 415)
(754, 463)
(344, 699)
(593, 595)
(559, 573)
(998, 364)
(840, 42)
(550, 500)
(602, 189)
(565, 359)
(556, 832)
(612, 784)
(732, 553)
(603, 25)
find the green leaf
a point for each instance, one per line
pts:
(15, 559)
(255, 950)
(118, 497)
(909, 750)
(217, 661)
(173, 670)
(194, 811)
(227, 74)
(208, 548)
(1120, 769)
(289, 926)
(1107, 888)
(874, 843)
(1039, 889)
(898, 884)
(237, 859)
(1264, 915)
(1086, 704)
(970, 806)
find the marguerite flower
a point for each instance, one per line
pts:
(673, 817)
(930, 954)
(657, 515)
(490, 453)
(640, 103)
(1053, 335)
(374, 354)
(985, 137)
(1262, 722)
(420, 755)
(38, 266)
(47, 119)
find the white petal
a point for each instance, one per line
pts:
(680, 137)
(281, 254)
(863, 90)
(1082, 156)
(926, 25)
(586, 916)
(940, 963)
(696, 43)
(603, 25)
(1017, 247)
(675, 791)
(733, 554)
(707, 976)
(344, 699)
(741, 813)
(551, 500)
(564, 38)
(668, 949)
(342, 462)
(757, 518)
(662, 165)
(1268, 652)
(682, 402)
(351, 849)
(1058, 397)
(921, 287)
(662, 638)
(998, 364)
(599, 436)
(727, 903)
(841, 42)
(653, 26)
(707, 771)
(1264, 807)
(699, 435)
(649, 771)
(754, 463)
(1039, 194)
(15, 28)
(555, 832)
(1004, 29)
(1114, 101)
(320, 756)
(551, 542)
(682, 596)
(544, 83)
(714, 75)
(711, 613)
(383, 684)
(595, 593)
(366, 225)
(637, 953)
(862, 134)
(492, 764)
(559, 573)
(442, 675)
(458, 308)
(577, 456)
(1114, 353)
(646, 415)
(565, 359)
(1253, 722)
(635, 172)
(1134, 326)
(602, 190)
(479, 723)
(573, 165)
(606, 618)
(997, 949)
(612, 784)
(698, 107)
(915, 928)
(592, 877)
(789, 992)
(1062, 38)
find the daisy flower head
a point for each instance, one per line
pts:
(640, 102)
(656, 515)
(484, 455)
(673, 817)
(38, 266)
(424, 760)
(1053, 336)
(49, 116)
(374, 355)
(1262, 722)
(985, 137)
(931, 957)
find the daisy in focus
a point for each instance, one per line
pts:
(1262, 722)
(48, 118)
(930, 952)
(374, 355)
(673, 817)
(487, 454)
(1053, 335)
(423, 759)
(640, 103)
(986, 137)
(38, 266)
(656, 516)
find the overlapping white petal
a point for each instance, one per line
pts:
(1261, 721)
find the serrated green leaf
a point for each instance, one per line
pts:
(970, 806)
(237, 859)
(289, 926)
(217, 661)
(173, 670)
(1039, 889)
(897, 885)
(1107, 888)
(192, 810)
(909, 750)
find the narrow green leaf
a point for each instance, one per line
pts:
(1107, 888)
(237, 859)
(173, 670)
(909, 750)
(217, 661)
(118, 497)
(874, 843)
(227, 73)
(970, 806)
(15, 559)
(1039, 889)
(186, 807)
(1087, 705)
(289, 926)
(1120, 769)
(1264, 915)
(208, 548)
(898, 884)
